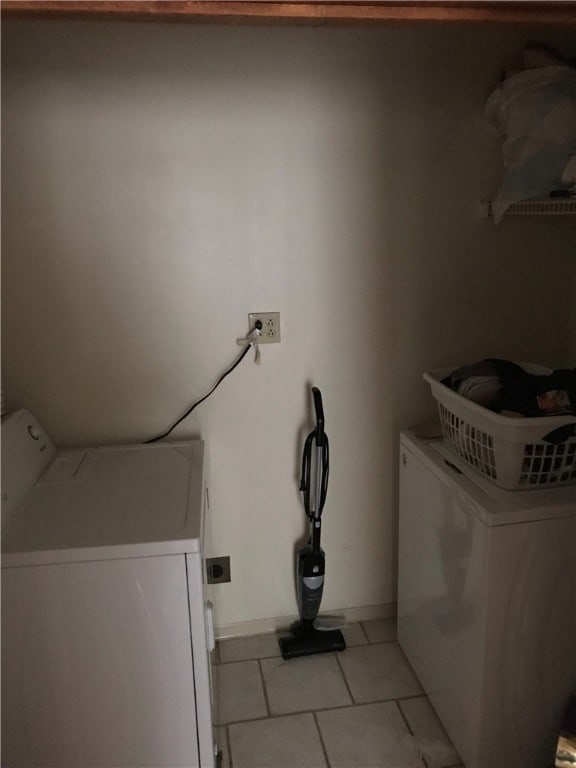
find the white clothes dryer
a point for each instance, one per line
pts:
(487, 605)
(106, 633)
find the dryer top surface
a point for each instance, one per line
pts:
(493, 505)
(108, 503)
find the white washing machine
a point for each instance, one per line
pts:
(106, 634)
(487, 605)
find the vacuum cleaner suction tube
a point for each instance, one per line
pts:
(305, 639)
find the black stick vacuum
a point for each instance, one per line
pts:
(310, 560)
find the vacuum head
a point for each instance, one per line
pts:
(307, 641)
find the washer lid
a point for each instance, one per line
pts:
(493, 505)
(103, 503)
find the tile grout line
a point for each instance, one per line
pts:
(221, 663)
(396, 701)
(364, 633)
(323, 709)
(405, 718)
(341, 668)
(326, 709)
(279, 655)
(412, 696)
(321, 739)
(229, 745)
(263, 681)
(248, 658)
(411, 732)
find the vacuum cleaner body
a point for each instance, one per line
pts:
(310, 569)
(306, 639)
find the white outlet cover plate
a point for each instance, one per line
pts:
(270, 326)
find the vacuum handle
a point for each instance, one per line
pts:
(316, 394)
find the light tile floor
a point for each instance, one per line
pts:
(361, 708)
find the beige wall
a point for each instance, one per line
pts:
(162, 180)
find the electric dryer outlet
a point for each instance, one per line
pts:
(218, 570)
(270, 331)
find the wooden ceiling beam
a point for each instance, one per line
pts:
(326, 12)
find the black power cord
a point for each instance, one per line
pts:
(197, 403)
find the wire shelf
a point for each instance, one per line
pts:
(545, 207)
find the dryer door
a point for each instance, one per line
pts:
(97, 665)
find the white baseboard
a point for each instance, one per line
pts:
(276, 623)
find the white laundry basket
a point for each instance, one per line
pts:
(511, 452)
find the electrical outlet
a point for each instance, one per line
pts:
(270, 333)
(218, 570)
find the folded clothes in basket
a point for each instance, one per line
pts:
(508, 388)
